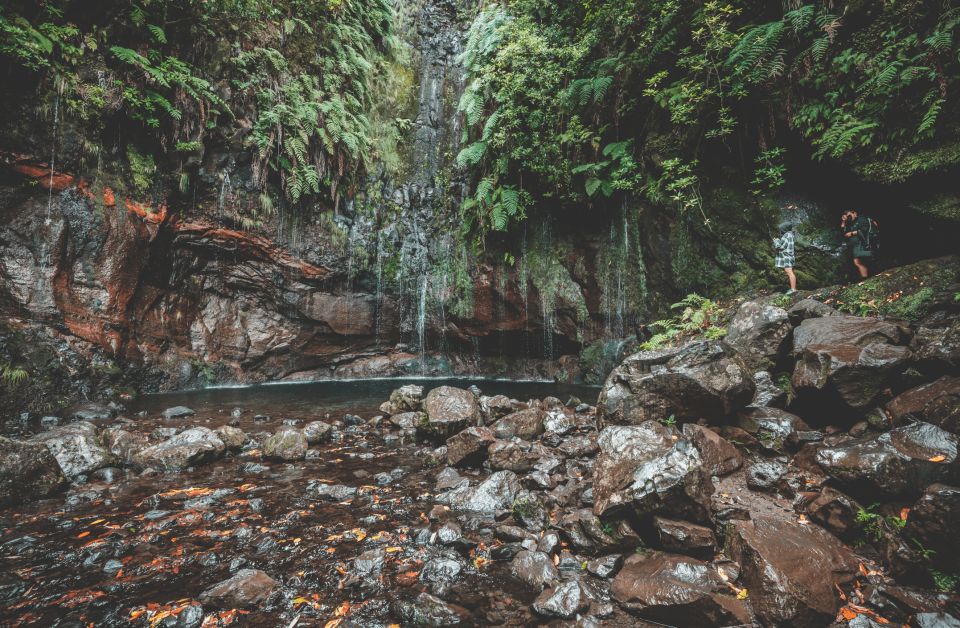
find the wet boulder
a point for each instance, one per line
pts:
(177, 412)
(719, 456)
(790, 570)
(28, 471)
(330, 492)
(493, 495)
(449, 410)
(851, 375)
(233, 437)
(558, 422)
(525, 424)
(564, 601)
(835, 512)
(77, 448)
(937, 340)
(496, 407)
(409, 420)
(684, 537)
(92, 412)
(586, 533)
(772, 427)
(285, 445)
(648, 470)
(183, 450)
(122, 444)
(428, 610)
(848, 359)
(535, 569)
(245, 589)
(809, 308)
(468, 448)
(764, 475)
(512, 455)
(677, 591)
(317, 432)
(901, 462)
(759, 333)
(407, 398)
(699, 380)
(768, 394)
(858, 331)
(937, 402)
(933, 522)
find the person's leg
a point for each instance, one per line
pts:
(861, 267)
(791, 277)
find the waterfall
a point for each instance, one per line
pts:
(422, 323)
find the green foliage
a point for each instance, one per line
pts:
(679, 87)
(874, 525)
(13, 376)
(697, 316)
(946, 582)
(302, 70)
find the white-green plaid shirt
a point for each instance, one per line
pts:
(785, 250)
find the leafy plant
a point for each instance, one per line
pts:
(13, 376)
(696, 316)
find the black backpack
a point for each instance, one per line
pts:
(871, 238)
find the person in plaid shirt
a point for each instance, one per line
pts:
(786, 245)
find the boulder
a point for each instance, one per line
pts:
(676, 591)
(685, 538)
(408, 420)
(564, 601)
(28, 471)
(233, 437)
(937, 403)
(535, 569)
(850, 374)
(449, 410)
(835, 512)
(493, 495)
(330, 492)
(718, 455)
(496, 407)
(92, 412)
(699, 380)
(428, 610)
(245, 589)
(764, 475)
(285, 445)
(772, 427)
(177, 412)
(648, 470)
(468, 448)
(790, 570)
(188, 448)
(317, 432)
(586, 533)
(809, 308)
(525, 424)
(77, 448)
(122, 444)
(768, 394)
(511, 455)
(558, 422)
(933, 522)
(937, 341)
(858, 331)
(407, 398)
(898, 463)
(759, 333)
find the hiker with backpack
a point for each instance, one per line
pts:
(863, 234)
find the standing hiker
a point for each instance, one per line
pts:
(863, 234)
(786, 256)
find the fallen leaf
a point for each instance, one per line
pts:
(938, 458)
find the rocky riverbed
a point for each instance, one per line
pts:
(703, 488)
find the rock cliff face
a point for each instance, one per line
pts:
(388, 284)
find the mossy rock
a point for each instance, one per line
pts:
(904, 293)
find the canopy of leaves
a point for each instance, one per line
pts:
(573, 101)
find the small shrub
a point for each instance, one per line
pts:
(697, 316)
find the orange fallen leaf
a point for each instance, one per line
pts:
(938, 458)
(83, 534)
